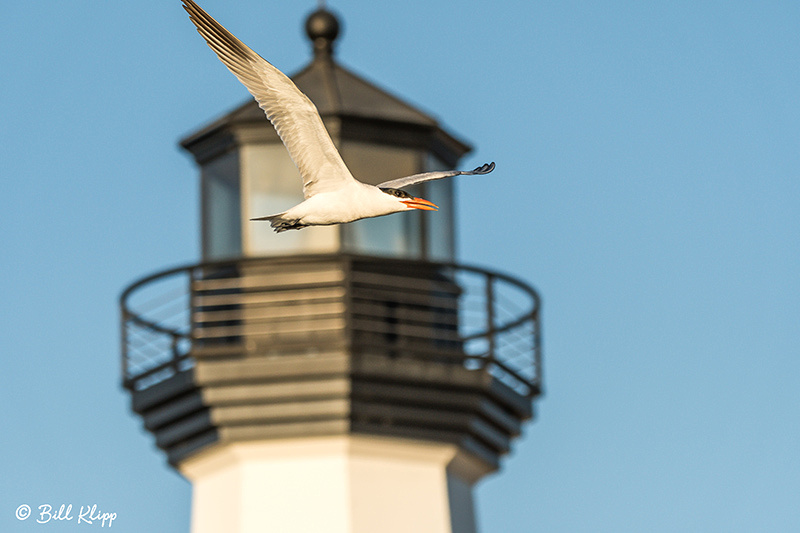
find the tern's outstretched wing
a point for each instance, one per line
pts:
(291, 112)
(428, 176)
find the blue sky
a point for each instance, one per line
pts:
(647, 184)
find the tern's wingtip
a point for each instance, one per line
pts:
(484, 169)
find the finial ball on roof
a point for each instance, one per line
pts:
(322, 28)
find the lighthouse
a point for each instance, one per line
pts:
(348, 378)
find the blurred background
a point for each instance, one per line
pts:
(646, 184)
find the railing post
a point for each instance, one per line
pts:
(124, 341)
(175, 357)
(192, 277)
(490, 315)
(349, 328)
(537, 347)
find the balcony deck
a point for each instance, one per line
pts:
(329, 344)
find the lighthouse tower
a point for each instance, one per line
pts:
(350, 378)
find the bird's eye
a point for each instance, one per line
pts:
(397, 193)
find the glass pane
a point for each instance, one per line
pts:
(439, 226)
(221, 213)
(391, 235)
(397, 235)
(274, 185)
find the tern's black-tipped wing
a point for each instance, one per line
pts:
(428, 176)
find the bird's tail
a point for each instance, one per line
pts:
(280, 223)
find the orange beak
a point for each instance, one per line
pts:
(421, 203)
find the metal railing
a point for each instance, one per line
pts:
(444, 312)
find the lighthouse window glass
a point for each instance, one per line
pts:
(221, 212)
(273, 185)
(392, 235)
(440, 233)
(396, 235)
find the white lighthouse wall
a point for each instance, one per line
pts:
(344, 484)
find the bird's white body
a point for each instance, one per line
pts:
(332, 194)
(354, 201)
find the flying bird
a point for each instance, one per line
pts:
(332, 195)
